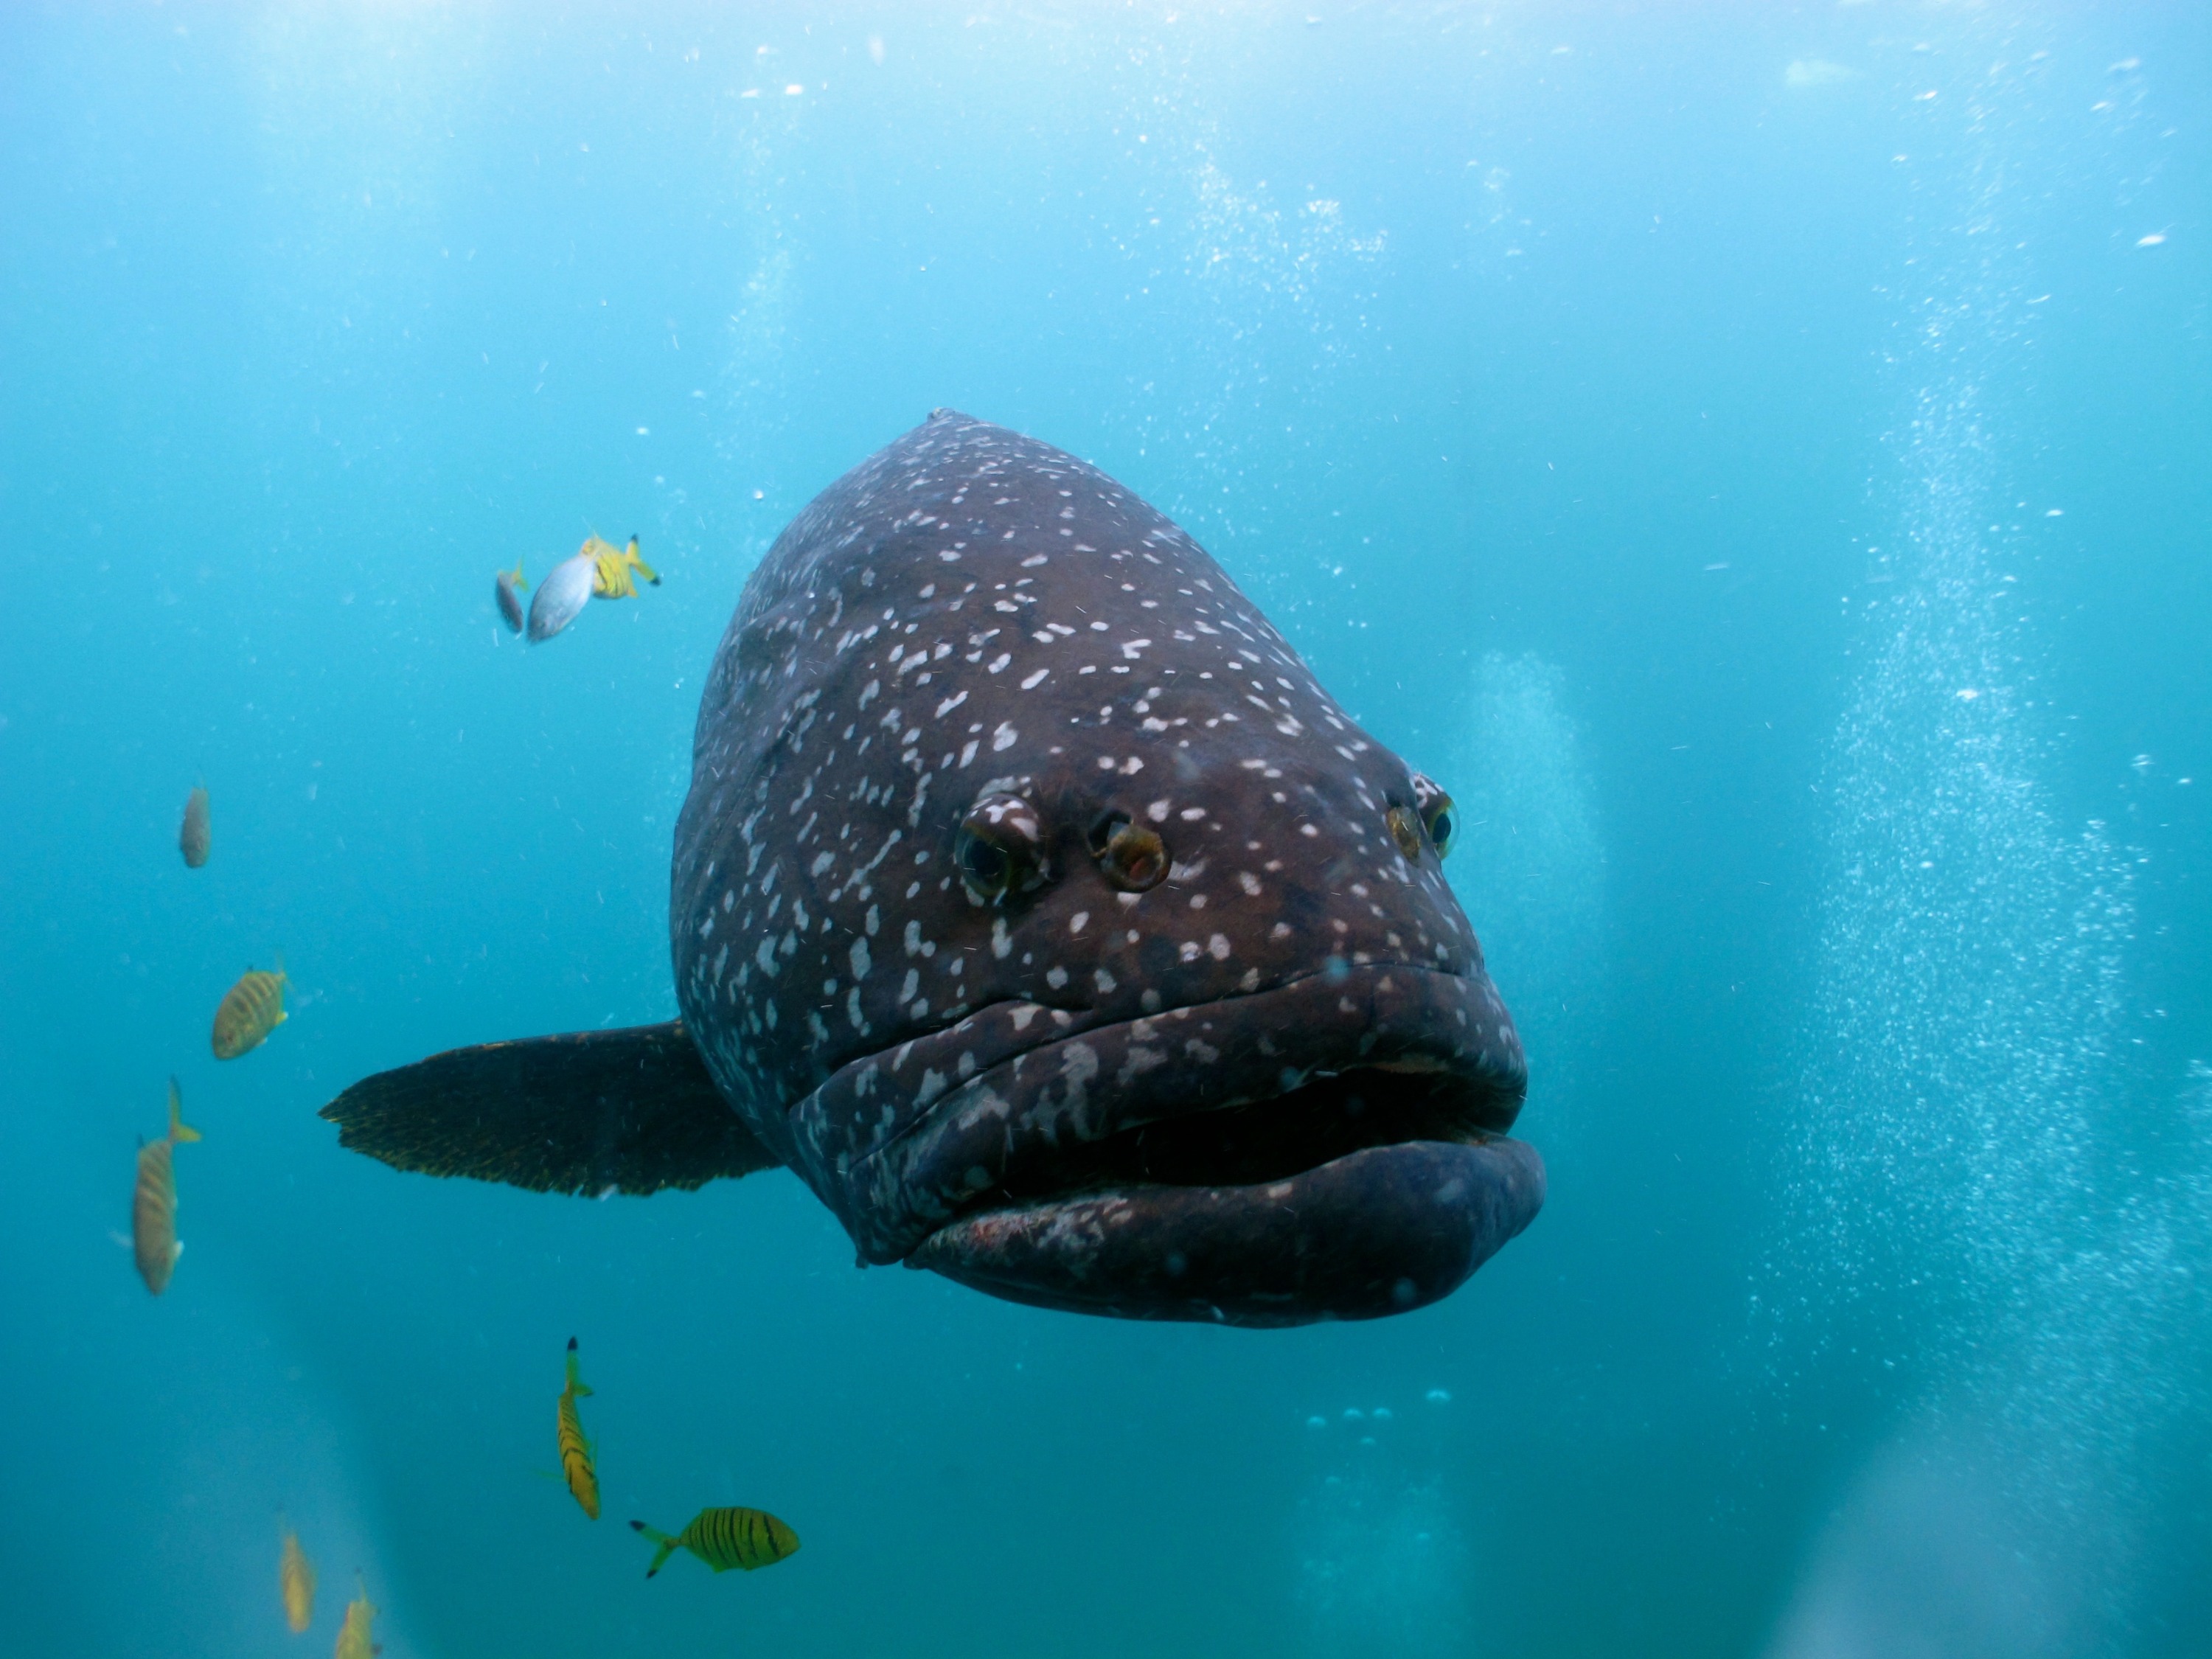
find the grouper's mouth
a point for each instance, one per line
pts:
(1334, 1147)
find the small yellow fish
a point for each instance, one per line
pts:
(726, 1538)
(354, 1635)
(507, 589)
(611, 578)
(192, 838)
(154, 1204)
(250, 1010)
(295, 1578)
(576, 1451)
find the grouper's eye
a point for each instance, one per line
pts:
(1131, 857)
(1442, 822)
(1438, 814)
(1000, 847)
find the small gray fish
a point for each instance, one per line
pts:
(507, 591)
(1036, 905)
(194, 838)
(560, 596)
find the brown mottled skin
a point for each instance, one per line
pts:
(1271, 1089)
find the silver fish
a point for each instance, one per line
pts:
(1034, 904)
(560, 596)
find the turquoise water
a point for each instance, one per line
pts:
(1755, 457)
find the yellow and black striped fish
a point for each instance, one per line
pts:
(154, 1204)
(250, 1010)
(295, 1581)
(356, 1637)
(611, 578)
(726, 1538)
(576, 1451)
(192, 840)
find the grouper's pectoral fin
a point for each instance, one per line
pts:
(632, 1109)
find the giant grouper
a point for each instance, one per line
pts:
(1034, 903)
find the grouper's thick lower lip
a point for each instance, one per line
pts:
(1377, 1231)
(1331, 1147)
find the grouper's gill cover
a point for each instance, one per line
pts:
(1105, 1090)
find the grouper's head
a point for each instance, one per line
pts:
(1037, 905)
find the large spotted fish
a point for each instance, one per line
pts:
(1034, 903)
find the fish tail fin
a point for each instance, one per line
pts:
(576, 1384)
(643, 568)
(653, 1535)
(179, 1129)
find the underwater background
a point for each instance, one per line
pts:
(1758, 456)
